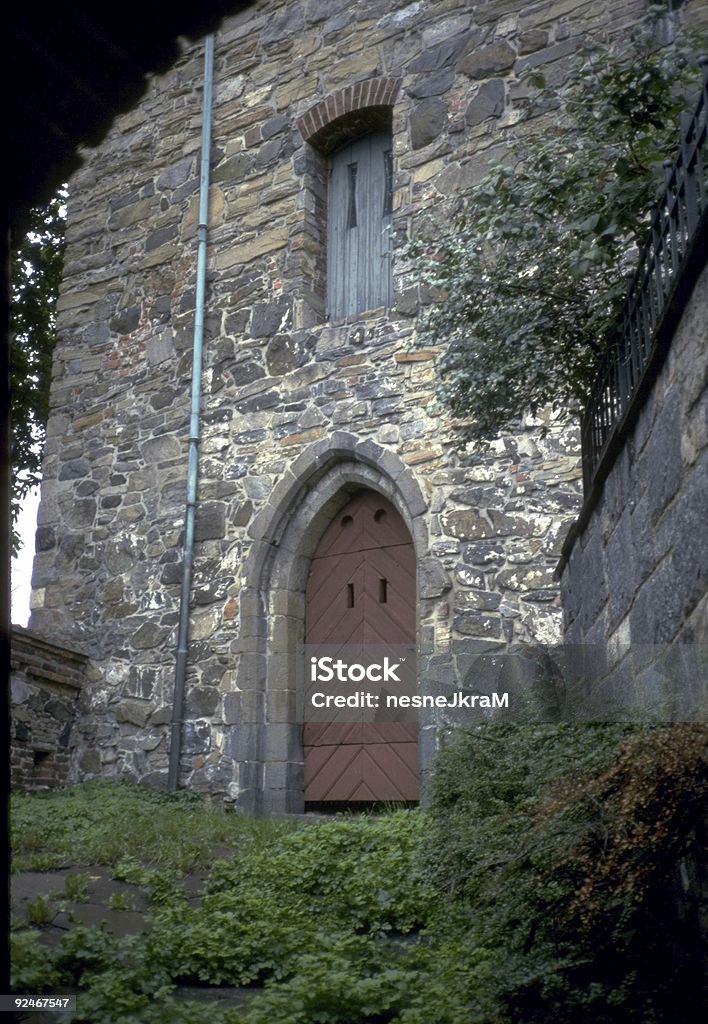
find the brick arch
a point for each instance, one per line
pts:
(354, 110)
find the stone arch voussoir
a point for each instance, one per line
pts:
(343, 459)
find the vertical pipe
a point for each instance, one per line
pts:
(194, 424)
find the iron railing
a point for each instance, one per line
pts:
(628, 364)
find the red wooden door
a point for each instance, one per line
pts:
(361, 590)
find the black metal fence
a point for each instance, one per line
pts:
(677, 223)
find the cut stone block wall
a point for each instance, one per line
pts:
(636, 580)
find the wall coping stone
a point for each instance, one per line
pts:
(46, 660)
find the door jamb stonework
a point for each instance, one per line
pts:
(267, 742)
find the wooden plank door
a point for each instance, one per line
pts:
(361, 590)
(358, 226)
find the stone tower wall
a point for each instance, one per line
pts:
(297, 412)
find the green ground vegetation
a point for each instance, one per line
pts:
(114, 823)
(537, 887)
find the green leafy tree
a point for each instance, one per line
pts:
(532, 275)
(35, 277)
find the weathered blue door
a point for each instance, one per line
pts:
(359, 219)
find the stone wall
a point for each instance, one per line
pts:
(45, 684)
(635, 580)
(298, 412)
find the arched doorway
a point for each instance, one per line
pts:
(361, 590)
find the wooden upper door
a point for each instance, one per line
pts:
(361, 590)
(358, 226)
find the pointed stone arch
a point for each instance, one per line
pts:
(267, 742)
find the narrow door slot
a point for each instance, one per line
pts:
(351, 213)
(383, 591)
(350, 595)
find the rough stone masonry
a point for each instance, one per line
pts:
(298, 412)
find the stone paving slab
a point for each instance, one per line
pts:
(101, 888)
(25, 886)
(224, 996)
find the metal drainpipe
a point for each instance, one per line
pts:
(194, 424)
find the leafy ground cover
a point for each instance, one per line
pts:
(536, 888)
